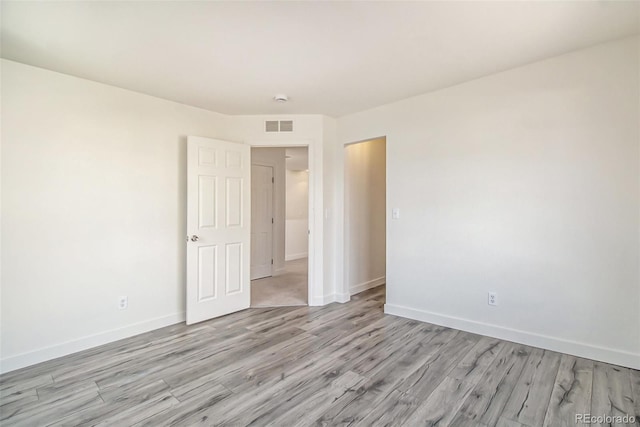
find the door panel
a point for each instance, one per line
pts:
(234, 268)
(207, 202)
(207, 278)
(234, 202)
(218, 219)
(261, 221)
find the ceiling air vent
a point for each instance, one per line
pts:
(286, 126)
(271, 126)
(278, 126)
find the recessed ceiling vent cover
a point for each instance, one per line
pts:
(271, 126)
(278, 126)
(286, 125)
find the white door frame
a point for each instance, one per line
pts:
(315, 291)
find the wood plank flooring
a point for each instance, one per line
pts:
(343, 364)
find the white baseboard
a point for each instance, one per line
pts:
(588, 351)
(342, 298)
(41, 355)
(323, 300)
(367, 285)
(328, 299)
(292, 257)
(346, 297)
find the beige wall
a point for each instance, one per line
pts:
(297, 218)
(93, 207)
(275, 157)
(331, 205)
(365, 214)
(525, 183)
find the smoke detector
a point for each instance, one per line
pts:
(281, 97)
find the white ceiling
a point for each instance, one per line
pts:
(331, 58)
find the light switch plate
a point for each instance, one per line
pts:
(395, 213)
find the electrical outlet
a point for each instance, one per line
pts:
(492, 298)
(123, 302)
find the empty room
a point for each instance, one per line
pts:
(320, 213)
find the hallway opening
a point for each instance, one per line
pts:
(365, 215)
(279, 226)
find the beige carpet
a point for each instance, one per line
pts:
(289, 288)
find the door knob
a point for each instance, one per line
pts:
(194, 238)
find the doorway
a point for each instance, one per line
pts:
(279, 226)
(365, 216)
(218, 240)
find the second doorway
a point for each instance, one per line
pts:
(279, 226)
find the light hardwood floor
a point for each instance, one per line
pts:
(343, 364)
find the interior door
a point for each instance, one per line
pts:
(261, 221)
(218, 227)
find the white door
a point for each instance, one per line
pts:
(261, 221)
(218, 227)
